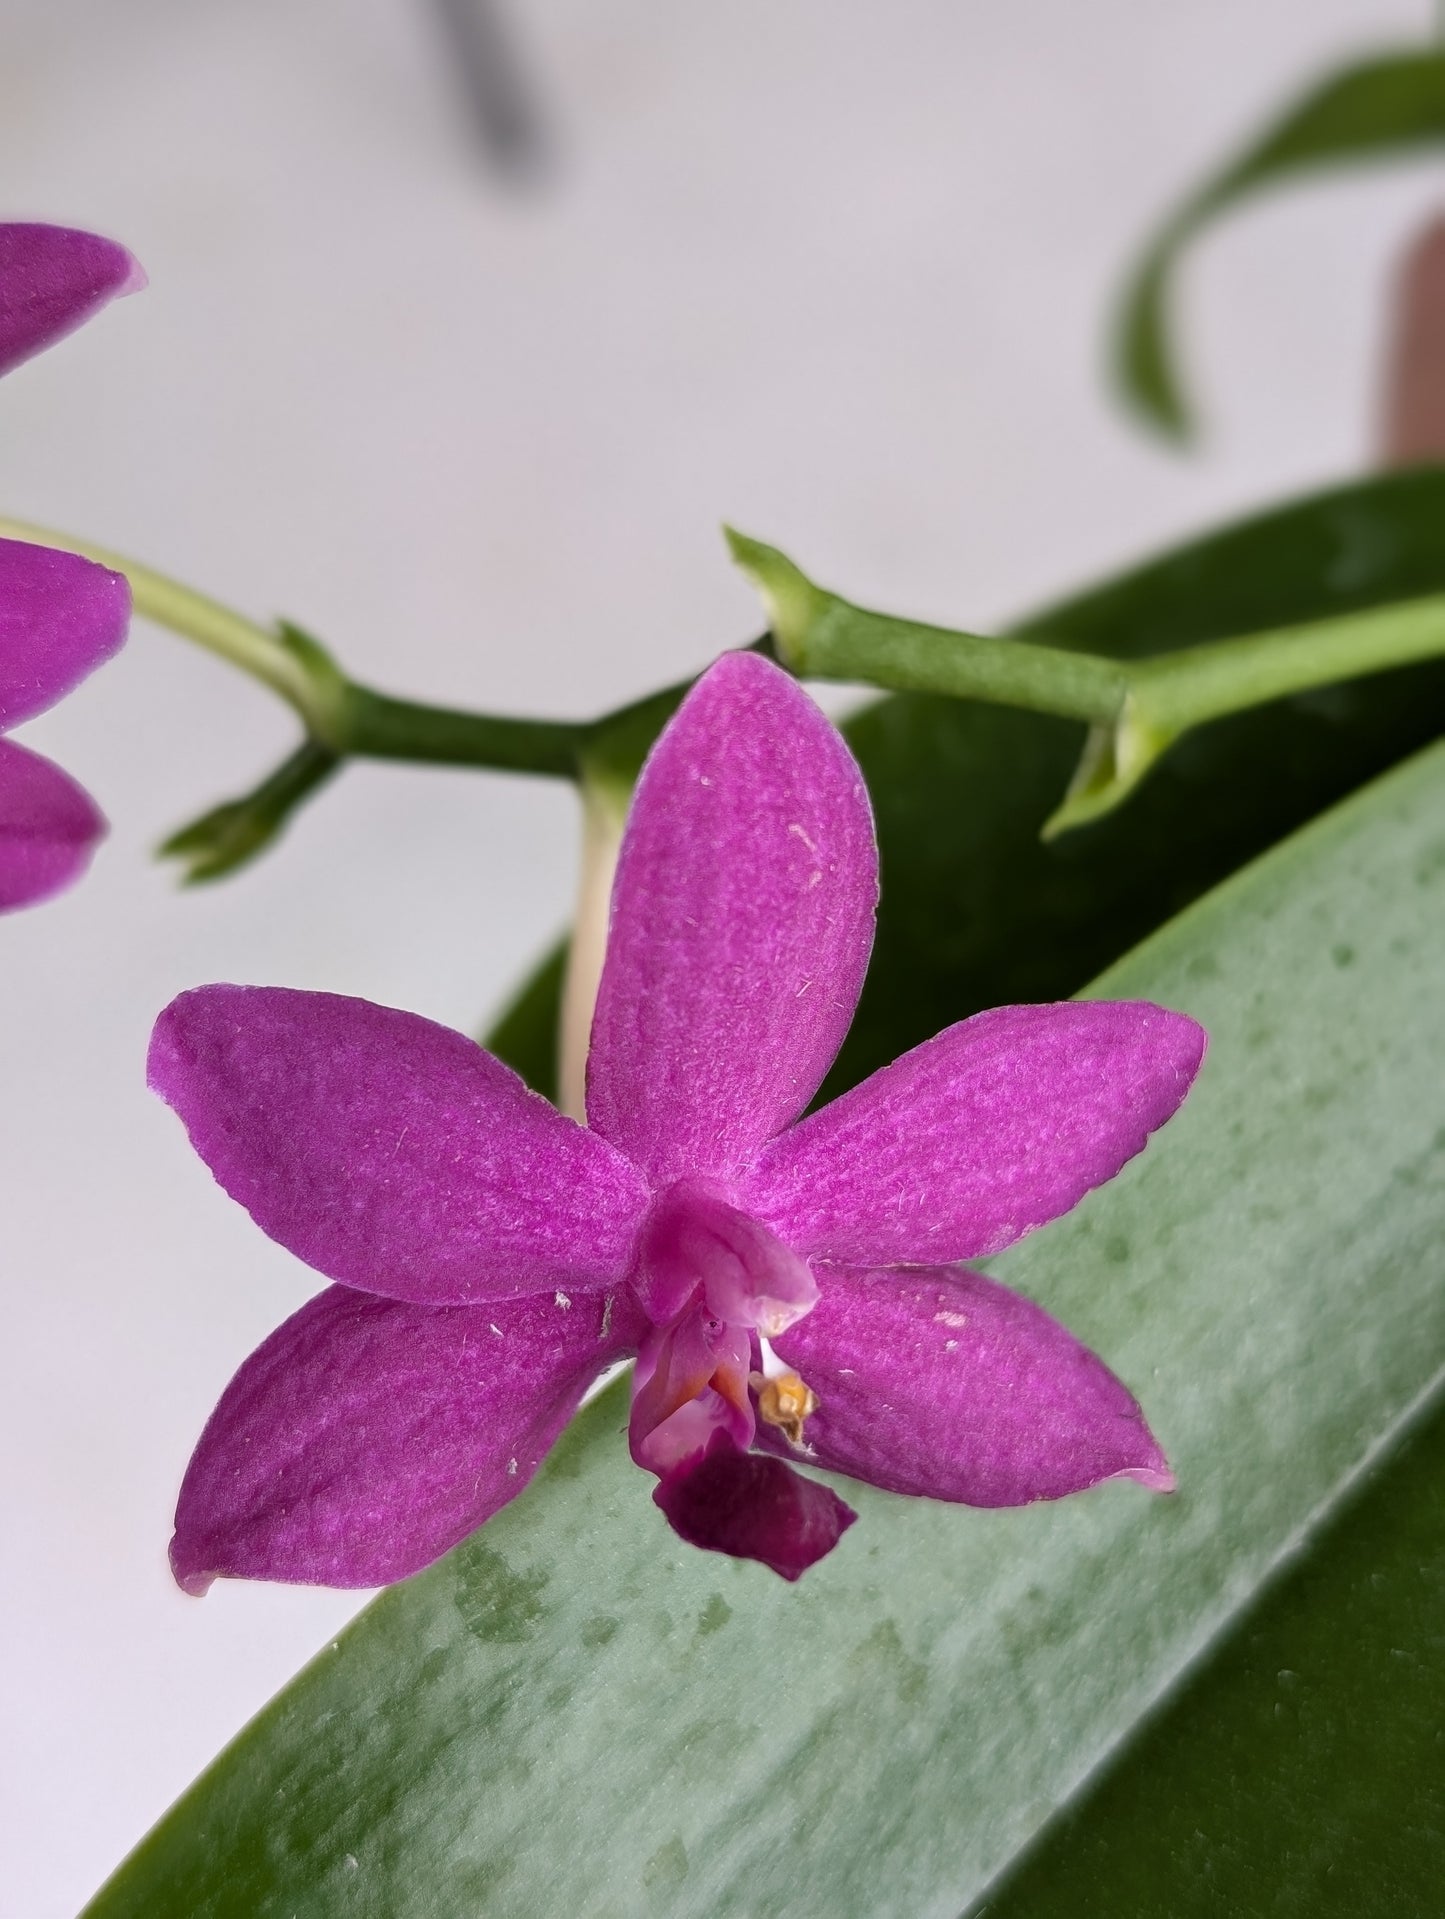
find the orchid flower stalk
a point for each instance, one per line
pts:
(792, 1289)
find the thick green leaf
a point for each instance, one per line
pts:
(1383, 108)
(573, 1713)
(1299, 1771)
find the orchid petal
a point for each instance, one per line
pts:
(741, 921)
(60, 617)
(52, 279)
(978, 1136)
(49, 827)
(950, 1386)
(752, 1507)
(390, 1153)
(367, 1436)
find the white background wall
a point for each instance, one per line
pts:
(837, 273)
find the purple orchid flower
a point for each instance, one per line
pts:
(791, 1288)
(60, 616)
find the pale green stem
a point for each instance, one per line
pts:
(1199, 683)
(261, 653)
(1136, 709)
(604, 814)
(820, 636)
(1172, 692)
(340, 716)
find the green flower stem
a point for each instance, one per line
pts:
(346, 719)
(1135, 709)
(1200, 683)
(605, 803)
(377, 727)
(820, 636)
(265, 655)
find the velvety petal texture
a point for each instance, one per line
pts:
(752, 1507)
(948, 1385)
(60, 617)
(742, 918)
(52, 279)
(976, 1137)
(49, 827)
(366, 1436)
(389, 1153)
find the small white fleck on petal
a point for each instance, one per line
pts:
(950, 1319)
(495, 1327)
(511, 1469)
(563, 1301)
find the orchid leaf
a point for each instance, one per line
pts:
(1387, 107)
(1310, 1735)
(574, 1713)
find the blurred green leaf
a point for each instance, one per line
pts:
(1387, 107)
(1298, 1771)
(574, 1713)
